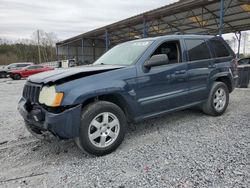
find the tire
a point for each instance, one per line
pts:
(103, 127)
(17, 77)
(3, 75)
(217, 101)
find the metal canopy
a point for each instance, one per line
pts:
(185, 16)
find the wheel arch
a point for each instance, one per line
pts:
(17, 73)
(225, 78)
(115, 98)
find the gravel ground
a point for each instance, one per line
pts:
(183, 149)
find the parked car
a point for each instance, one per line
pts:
(244, 61)
(4, 72)
(28, 71)
(131, 82)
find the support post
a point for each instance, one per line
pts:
(93, 44)
(106, 40)
(57, 55)
(145, 32)
(221, 17)
(82, 45)
(239, 41)
(67, 52)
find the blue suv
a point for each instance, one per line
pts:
(132, 81)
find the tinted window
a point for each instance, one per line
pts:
(34, 67)
(12, 65)
(197, 50)
(219, 48)
(22, 65)
(244, 61)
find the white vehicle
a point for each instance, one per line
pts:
(4, 72)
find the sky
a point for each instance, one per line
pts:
(19, 19)
(66, 18)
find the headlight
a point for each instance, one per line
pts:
(50, 97)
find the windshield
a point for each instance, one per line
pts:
(124, 54)
(11, 65)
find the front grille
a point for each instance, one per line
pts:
(31, 92)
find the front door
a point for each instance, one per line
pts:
(162, 88)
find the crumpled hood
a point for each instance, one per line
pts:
(71, 73)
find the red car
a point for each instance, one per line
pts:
(28, 71)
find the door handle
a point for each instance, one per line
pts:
(177, 75)
(211, 66)
(180, 75)
(180, 72)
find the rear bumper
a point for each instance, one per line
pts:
(64, 125)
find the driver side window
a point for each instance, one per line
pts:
(31, 67)
(171, 49)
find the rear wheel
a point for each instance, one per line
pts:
(218, 100)
(103, 127)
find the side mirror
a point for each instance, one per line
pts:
(157, 60)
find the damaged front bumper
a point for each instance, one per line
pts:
(64, 125)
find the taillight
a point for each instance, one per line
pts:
(235, 66)
(235, 62)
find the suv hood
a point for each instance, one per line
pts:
(68, 74)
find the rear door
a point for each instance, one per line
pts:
(199, 63)
(39, 69)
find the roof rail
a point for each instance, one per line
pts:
(200, 33)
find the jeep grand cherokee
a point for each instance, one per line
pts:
(132, 81)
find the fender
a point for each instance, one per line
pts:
(84, 89)
(219, 75)
(122, 92)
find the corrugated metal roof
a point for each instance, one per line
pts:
(189, 16)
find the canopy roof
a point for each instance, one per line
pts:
(185, 16)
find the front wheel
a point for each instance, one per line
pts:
(217, 101)
(17, 77)
(3, 75)
(103, 127)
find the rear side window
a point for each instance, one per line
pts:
(197, 49)
(31, 67)
(39, 67)
(219, 48)
(22, 65)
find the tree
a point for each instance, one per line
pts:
(27, 49)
